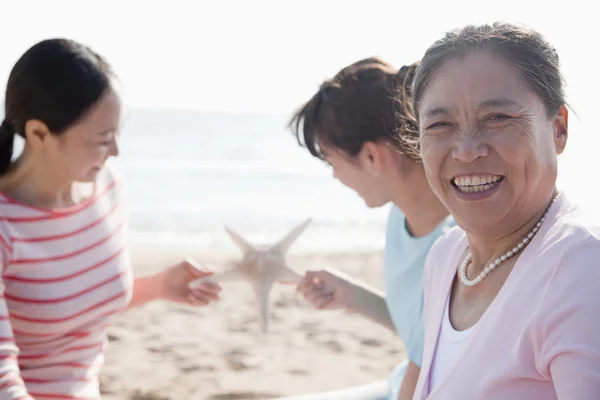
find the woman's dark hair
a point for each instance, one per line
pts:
(368, 100)
(524, 48)
(56, 81)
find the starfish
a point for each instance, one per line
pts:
(261, 266)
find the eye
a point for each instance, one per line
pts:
(107, 137)
(440, 124)
(104, 140)
(498, 117)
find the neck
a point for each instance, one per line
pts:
(421, 207)
(484, 249)
(29, 182)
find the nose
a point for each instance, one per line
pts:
(114, 147)
(470, 148)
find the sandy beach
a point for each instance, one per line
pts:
(163, 351)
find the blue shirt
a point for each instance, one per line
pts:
(403, 262)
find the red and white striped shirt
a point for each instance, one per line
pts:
(64, 273)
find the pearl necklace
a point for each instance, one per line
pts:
(520, 246)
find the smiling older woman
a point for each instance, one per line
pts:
(511, 299)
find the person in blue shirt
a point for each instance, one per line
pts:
(361, 122)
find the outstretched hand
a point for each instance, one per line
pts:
(326, 289)
(176, 278)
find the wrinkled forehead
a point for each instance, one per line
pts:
(478, 80)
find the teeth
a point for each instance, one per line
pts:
(472, 184)
(476, 180)
(478, 188)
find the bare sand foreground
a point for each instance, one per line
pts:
(163, 351)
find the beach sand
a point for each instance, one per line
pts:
(163, 351)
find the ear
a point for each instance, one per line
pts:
(36, 133)
(561, 129)
(373, 157)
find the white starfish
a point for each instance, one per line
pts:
(262, 266)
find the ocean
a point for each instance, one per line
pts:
(191, 173)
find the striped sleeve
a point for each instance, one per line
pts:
(12, 386)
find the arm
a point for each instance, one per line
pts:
(145, 289)
(369, 302)
(12, 386)
(569, 326)
(409, 382)
(172, 284)
(330, 289)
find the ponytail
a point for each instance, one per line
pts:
(407, 126)
(7, 140)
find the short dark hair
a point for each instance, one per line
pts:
(368, 100)
(526, 49)
(56, 81)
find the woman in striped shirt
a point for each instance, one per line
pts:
(63, 215)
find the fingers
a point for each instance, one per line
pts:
(320, 298)
(197, 301)
(204, 294)
(209, 288)
(316, 290)
(195, 269)
(314, 279)
(308, 281)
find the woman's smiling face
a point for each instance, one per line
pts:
(489, 146)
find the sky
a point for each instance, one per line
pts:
(261, 55)
(269, 56)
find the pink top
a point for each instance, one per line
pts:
(540, 337)
(64, 273)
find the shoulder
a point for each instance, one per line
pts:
(576, 277)
(111, 181)
(6, 245)
(396, 227)
(573, 237)
(110, 174)
(444, 247)
(447, 242)
(395, 217)
(571, 251)
(567, 271)
(567, 320)
(450, 245)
